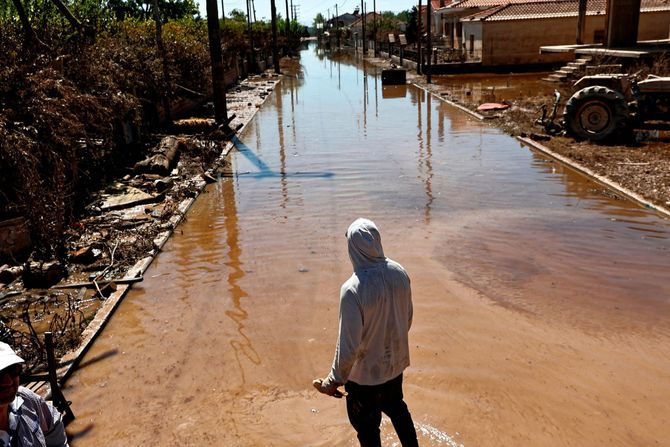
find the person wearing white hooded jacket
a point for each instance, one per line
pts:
(372, 347)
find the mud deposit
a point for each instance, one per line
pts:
(540, 302)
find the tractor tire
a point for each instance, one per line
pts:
(596, 113)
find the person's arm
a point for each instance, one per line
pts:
(410, 310)
(49, 417)
(348, 340)
(52, 426)
(348, 343)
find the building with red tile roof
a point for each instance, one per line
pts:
(510, 32)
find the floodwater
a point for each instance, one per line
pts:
(541, 300)
(483, 87)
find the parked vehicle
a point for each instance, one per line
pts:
(605, 107)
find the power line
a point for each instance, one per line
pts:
(295, 10)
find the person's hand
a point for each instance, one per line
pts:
(329, 388)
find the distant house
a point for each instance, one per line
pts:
(342, 20)
(447, 17)
(356, 28)
(512, 33)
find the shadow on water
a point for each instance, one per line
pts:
(98, 358)
(264, 169)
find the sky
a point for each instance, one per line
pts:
(308, 9)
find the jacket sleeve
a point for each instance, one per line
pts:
(40, 413)
(52, 425)
(349, 338)
(410, 310)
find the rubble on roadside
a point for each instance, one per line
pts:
(122, 225)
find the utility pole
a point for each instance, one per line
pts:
(365, 43)
(623, 21)
(166, 72)
(288, 21)
(581, 21)
(295, 9)
(252, 51)
(223, 14)
(429, 40)
(218, 81)
(374, 18)
(275, 52)
(418, 40)
(337, 24)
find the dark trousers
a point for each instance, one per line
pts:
(365, 404)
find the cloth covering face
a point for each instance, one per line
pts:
(375, 313)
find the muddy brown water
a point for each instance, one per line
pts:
(541, 301)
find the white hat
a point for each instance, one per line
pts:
(7, 356)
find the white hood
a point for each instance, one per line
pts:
(365, 244)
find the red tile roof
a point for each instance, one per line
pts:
(464, 4)
(435, 4)
(552, 8)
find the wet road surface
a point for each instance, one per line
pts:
(541, 301)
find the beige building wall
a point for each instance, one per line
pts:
(518, 42)
(472, 41)
(654, 26)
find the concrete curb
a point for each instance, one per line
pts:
(71, 360)
(452, 103)
(571, 164)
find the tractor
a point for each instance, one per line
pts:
(608, 106)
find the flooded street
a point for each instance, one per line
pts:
(541, 301)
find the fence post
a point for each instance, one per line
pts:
(56, 394)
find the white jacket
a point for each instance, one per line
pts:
(375, 313)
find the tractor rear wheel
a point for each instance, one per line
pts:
(596, 113)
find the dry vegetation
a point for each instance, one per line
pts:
(76, 114)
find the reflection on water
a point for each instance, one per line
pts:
(481, 190)
(242, 345)
(394, 91)
(478, 88)
(282, 148)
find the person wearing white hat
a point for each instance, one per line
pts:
(372, 347)
(26, 419)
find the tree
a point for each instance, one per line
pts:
(238, 15)
(403, 16)
(318, 19)
(412, 25)
(143, 9)
(388, 24)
